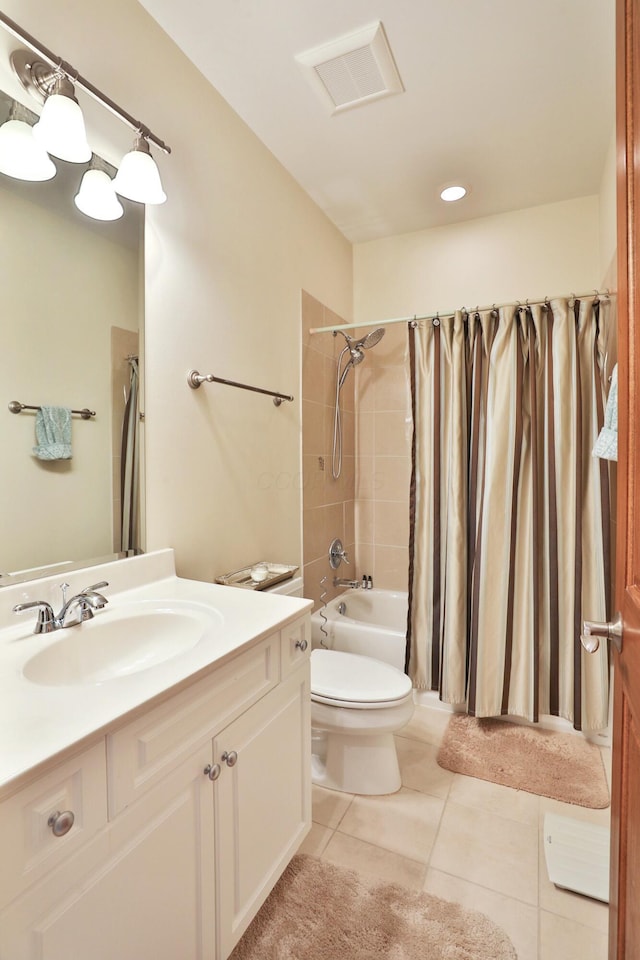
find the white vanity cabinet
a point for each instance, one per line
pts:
(200, 803)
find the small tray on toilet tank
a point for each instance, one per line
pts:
(274, 573)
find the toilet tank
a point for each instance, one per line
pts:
(289, 588)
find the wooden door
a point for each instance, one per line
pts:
(624, 929)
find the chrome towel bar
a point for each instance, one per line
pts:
(16, 407)
(194, 379)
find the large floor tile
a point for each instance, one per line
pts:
(427, 724)
(419, 768)
(370, 860)
(489, 850)
(329, 806)
(316, 840)
(518, 920)
(495, 798)
(562, 939)
(405, 823)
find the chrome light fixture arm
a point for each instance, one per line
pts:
(39, 78)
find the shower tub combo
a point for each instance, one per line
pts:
(372, 623)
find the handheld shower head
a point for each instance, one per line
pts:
(371, 338)
(366, 342)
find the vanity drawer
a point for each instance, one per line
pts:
(295, 644)
(29, 846)
(142, 753)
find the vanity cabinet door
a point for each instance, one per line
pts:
(262, 803)
(150, 892)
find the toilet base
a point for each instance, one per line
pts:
(366, 765)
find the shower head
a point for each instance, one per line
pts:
(356, 350)
(371, 339)
(365, 342)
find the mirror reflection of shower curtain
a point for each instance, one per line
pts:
(130, 463)
(510, 512)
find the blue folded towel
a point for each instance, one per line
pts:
(606, 446)
(53, 433)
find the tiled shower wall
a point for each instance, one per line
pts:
(368, 507)
(383, 459)
(328, 504)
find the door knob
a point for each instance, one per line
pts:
(212, 771)
(592, 631)
(230, 758)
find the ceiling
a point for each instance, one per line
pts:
(513, 98)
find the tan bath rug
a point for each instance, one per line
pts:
(557, 765)
(318, 911)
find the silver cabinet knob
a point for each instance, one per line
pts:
(61, 823)
(230, 758)
(301, 645)
(213, 770)
(592, 631)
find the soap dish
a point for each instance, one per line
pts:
(276, 572)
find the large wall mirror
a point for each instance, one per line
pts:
(71, 310)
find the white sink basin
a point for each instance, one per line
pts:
(121, 641)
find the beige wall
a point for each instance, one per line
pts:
(61, 289)
(607, 209)
(529, 253)
(549, 250)
(226, 259)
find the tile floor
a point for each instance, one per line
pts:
(466, 840)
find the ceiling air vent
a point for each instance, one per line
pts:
(353, 70)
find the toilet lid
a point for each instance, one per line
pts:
(352, 678)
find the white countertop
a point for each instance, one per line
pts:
(38, 722)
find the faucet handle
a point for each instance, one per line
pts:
(46, 620)
(95, 599)
(337, 554)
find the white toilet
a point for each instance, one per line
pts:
(357, 704)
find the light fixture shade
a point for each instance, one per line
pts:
(60, 129)
(138, 177)
(21, 156)
(96, 197)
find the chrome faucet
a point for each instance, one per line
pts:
(83, 604)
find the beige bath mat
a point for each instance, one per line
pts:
(557, 765)
(318, 911)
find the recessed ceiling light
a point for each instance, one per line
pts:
(449, 194)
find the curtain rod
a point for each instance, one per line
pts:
(76, 78)
(449, 313)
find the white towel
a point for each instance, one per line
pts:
(606, 446)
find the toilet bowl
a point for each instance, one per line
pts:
(357, 704)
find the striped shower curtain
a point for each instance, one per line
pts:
(509, 510)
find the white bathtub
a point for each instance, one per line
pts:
(374, 623)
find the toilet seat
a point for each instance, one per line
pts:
(353, 681)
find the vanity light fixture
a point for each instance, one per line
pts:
(96, 197)
(61, 127)
(453, 193)
(138, 177)
(21, 156)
